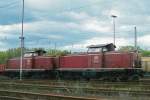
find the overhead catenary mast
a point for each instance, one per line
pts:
(135, 37)
(114, 28)
(22, 41)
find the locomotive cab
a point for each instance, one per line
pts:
(101, 48)
(34, 53)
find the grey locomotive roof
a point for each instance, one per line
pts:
(36, 51)
(29, 51)
(100, 45)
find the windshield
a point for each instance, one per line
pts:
(94, 49)
(30, 54)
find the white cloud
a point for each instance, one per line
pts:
(8, 28)
(39, 4)
(85, 22)
(62, 20)
(144, 41)
(48, 6)
(74, 47)
(97, 40)
(55, 37)
(94, 25)
(89, 23)
(77, 16)
(3, 45)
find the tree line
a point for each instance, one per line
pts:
(15, 52)
(145, 53)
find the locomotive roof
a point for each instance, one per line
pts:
(29, 51)
(102, 45)
(36, 51)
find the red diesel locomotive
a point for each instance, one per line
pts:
(100, 62)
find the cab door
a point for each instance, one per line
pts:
(96, 60)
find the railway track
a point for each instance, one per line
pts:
(68, 82)
(141, 84)
(18, 95)
(15, 95)
(9, 98)
(94, 85)
(76, 90)
(105, 85)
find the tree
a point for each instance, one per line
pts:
(15, 52)
(131, 48)
(53, 52)
(126, 48)
(145, 53)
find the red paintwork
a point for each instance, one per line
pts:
(39, 62)
(2, 67)
(96, 60)
(76, 61)
(15, 63)
(118, 60)
(82, 61)
(111, 60)
(43, 62)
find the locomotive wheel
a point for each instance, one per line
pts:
(134, 78)
(3, 77)
(119, 78)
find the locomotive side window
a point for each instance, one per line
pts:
(105, 49)
(35, 53)
(95, 50)
(30, 54)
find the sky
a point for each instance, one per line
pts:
(74, 24)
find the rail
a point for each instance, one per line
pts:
(60, 82)
(74, 90)
(85, 90)
(130, 85)
(14, 95)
